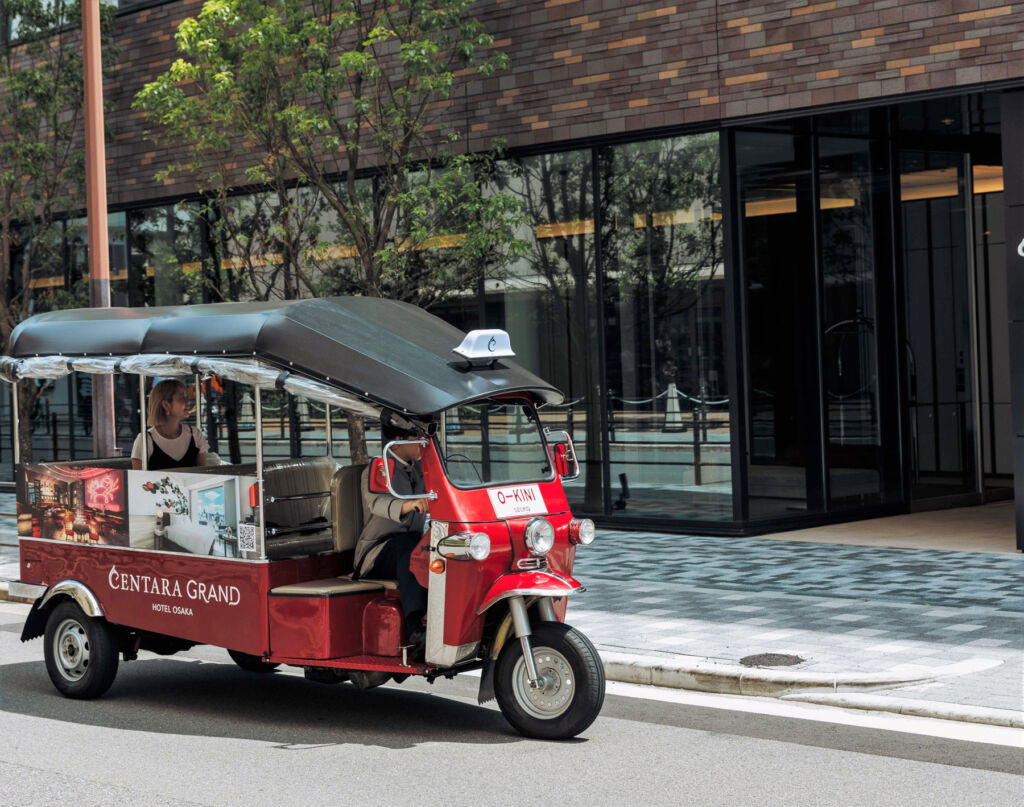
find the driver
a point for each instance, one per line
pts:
(393, 527)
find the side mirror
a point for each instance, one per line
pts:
(566, 464)
(561, 460)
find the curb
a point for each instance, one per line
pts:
(696, 673)
(5, 595)
(917, 708)
(828, 689)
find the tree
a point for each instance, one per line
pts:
(42, 179)
(345, 99)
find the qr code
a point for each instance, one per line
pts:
(246, 537)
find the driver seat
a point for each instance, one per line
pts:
(347, 507)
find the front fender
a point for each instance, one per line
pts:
(529, 584)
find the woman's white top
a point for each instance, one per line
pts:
(175, 448)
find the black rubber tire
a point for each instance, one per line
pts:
(90, 641)
(587, 673)
(251, 663)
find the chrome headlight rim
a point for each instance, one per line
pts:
(539, 536)
(479, 546)
(465, 546)
(582, 531)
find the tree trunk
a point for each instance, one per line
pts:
(231, 417)
(357, 439)
(24, 420)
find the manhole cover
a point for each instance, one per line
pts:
(770, 660)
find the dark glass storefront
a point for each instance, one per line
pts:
(774, 324)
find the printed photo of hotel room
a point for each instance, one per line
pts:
(183, 512)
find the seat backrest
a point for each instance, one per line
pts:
(347, 507)
(294, 478)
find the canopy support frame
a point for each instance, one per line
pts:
(261, 500)
(329, 430)
(15, 394)
(143, 434)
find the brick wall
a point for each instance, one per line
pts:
(589, 68)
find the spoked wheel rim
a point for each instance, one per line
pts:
(71, 649)
(555, 696)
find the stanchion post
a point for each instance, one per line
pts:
(696, 445)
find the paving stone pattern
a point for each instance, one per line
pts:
(844, 609)
(915, 576)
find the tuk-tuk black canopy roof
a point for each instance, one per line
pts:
(384, 351)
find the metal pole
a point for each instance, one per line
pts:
(259, 464)
(329, 430)
(142, 418)
(199, 409)
(14, 412)
(96, 210)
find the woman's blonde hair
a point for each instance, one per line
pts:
(162, 392)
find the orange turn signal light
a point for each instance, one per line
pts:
(437, 566)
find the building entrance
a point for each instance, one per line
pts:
(938, 320)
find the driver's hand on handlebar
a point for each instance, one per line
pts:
(419, 505)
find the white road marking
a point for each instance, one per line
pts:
(885, 721)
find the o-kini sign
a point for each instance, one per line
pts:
(521, 500)
(194, 590)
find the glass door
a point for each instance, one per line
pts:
(937, 314)
(851, 177)
(780, 288)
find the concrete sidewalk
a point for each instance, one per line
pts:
(914, 630)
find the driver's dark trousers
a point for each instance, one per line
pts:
(393, 564)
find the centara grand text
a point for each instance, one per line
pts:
(194, 590)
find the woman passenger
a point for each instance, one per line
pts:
(170, 443)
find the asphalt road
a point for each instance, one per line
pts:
(195, 730)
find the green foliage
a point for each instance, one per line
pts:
(297, 93)
(41, 160)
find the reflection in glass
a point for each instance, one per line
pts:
(546, 300)
(937, 308)
(849, 361)
(165, 255)
(993, 314)
(774, 177)
(661, 242)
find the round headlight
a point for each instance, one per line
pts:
(585, 531)
(479, 546)
(540, 536)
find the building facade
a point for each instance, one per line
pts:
(773, 246)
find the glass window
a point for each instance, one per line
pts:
(777, 253)
(847, 184)
(547, 301)
(938, 309)
(165, 256)
(494, 443)
(664, 309)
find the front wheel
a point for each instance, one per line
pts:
(80, 652)
(572, 691)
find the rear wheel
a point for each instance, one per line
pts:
(251, 663)
(80, 652)
(572, 690)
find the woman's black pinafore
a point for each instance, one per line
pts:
(159, 460)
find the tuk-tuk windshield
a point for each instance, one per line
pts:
(495, 442)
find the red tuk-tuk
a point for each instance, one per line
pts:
(257, 557)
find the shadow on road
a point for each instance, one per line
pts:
(220, 700)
